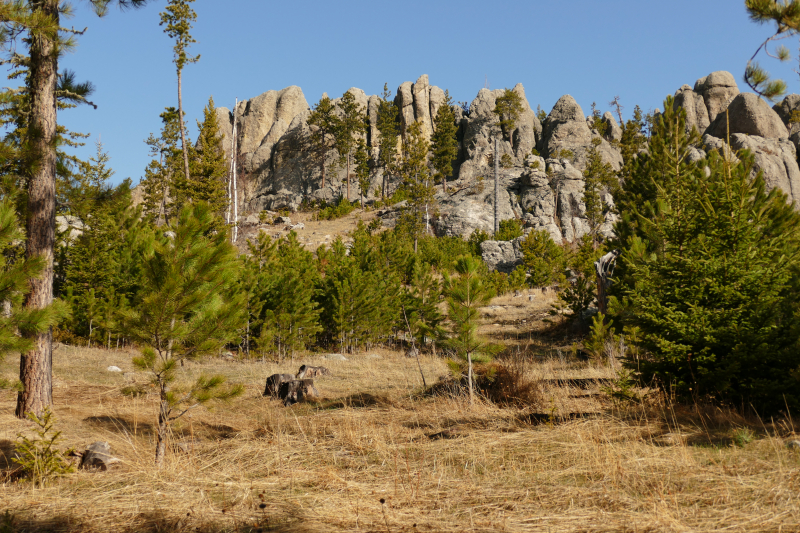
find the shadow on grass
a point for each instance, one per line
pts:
(150, 523)
(359, 400)
(117, 424)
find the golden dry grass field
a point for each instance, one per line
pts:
(373, 454)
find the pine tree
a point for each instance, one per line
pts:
(444, 144)
(544, 260)
(389, 128)
(189, 306)
(209, 171)
(324, 124)
(350, 128)
(422, 308)
(164, 186)
(599, 177)
(178, 17)
(413, 169)
(709, 275)
(362, 162)
(464, 294)
(39, 22)
(786, 16)
(17, 322)
(508, 109)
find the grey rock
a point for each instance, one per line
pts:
(265, 119)
(566, 129)
(777, 159)
(335, 357)
(503, 256)
(69, 225)
(472, 208)
(749, 114)
(694, 106)
(282, 220)
(785, 108)
(372, 114)
(613, 130)
(436, 98)
(793, 444)
(718, 90)
(113, 369)
(404, 100)
(422, 106)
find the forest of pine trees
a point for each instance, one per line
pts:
(164, 276)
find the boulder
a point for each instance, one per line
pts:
(751, 115)
(718, 90)
(503, 256)
(539, 202)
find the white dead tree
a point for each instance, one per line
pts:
(233, 192)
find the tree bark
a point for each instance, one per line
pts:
(469, 378)
(36, 366)
(183, 130)
(163, 422)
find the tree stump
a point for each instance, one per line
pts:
(297, 390)
(274, 384)
(307, 371)
(97, 455)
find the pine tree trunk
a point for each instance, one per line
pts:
(163, 423)
(36, 365)
(348, 178)
(183, 130)
(496, 172)
(469, 379)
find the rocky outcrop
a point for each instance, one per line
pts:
(567, 135)
(546, 192)
(481, 127)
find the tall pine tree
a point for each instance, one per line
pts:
(444, 144)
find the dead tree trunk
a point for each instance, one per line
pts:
(604, 267)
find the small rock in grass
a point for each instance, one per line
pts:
(114, 369)
(793, 444)
(335, 357)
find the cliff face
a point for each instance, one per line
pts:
(272, 136)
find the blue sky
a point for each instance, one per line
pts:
(591, 49)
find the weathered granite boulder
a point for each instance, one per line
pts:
(777, 159)
(751, 115)
(785, 109)
(472, 207)
(613, 130)
(718, 90)
(694, 106)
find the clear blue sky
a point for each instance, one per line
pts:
(591, 49)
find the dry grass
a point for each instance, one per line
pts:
(577, 462)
